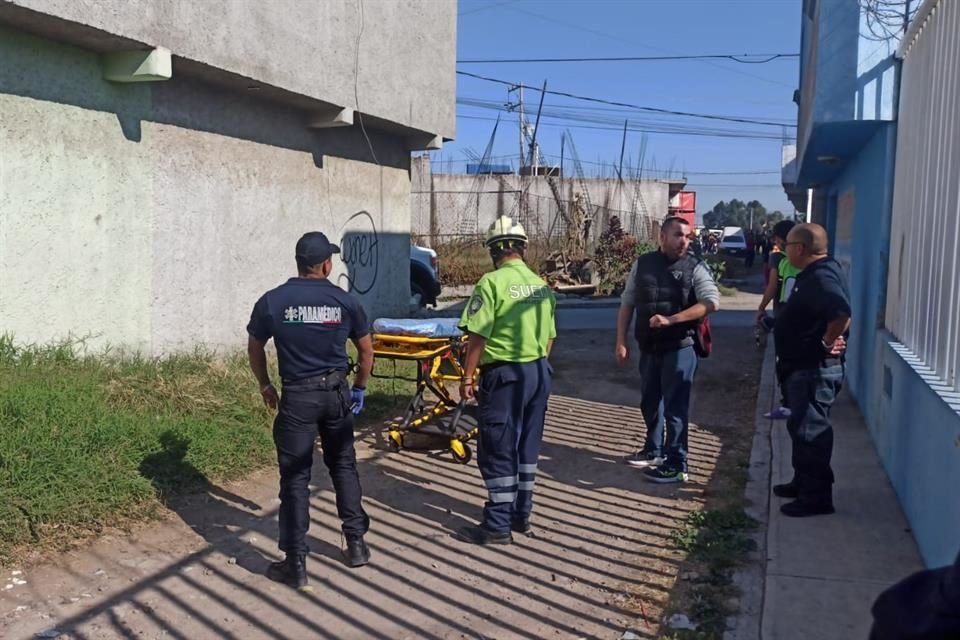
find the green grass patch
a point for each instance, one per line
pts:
(88, 441)
(716, 541)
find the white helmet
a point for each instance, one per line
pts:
(504, 229)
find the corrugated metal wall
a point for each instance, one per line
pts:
(923, 293)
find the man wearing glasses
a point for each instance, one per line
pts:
(810, 338)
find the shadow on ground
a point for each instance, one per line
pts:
(599, 561)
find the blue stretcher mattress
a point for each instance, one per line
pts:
(418, 328)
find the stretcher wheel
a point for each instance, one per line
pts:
(461, 452)
(395, 441)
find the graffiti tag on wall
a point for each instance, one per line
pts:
(360, 253)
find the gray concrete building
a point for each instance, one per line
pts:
(447, 207)
(160, 158)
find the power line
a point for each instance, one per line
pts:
(740, 185)
(764, 58)
(647, 125)
(608, 36)
(628, 105)
(683, 173)
(649, 130)
(482, 103)
(483, 8)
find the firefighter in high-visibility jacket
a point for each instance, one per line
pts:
(510, 323)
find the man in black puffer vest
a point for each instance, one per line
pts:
(670, 292)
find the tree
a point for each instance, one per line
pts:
(737, 213)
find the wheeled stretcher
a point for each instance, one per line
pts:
(438, 348)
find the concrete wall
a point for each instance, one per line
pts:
(406, 52)
(466, 205)
(153, 216)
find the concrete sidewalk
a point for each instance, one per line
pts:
(818, 577)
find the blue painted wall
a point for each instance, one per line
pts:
(916, 431)
(918, 437)
(837, 49)
(868, 177)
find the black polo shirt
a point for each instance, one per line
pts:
(820, 296)
(310, 322)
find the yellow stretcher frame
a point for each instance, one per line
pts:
(439, 360)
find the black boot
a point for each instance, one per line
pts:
(291, 571)
(357, 552)
(520, 526)
(787, 490)
(479, 534)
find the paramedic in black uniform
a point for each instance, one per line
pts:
(310, 320)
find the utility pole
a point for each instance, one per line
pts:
(520, 121)
(534, 151)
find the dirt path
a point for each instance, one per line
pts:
(599, 562)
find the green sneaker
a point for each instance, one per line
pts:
(665, 475)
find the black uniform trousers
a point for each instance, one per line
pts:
(308, 408)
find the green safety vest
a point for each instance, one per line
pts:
(787, 275)
(514, 309)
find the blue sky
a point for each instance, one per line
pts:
(598, 28)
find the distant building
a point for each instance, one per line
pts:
(452, 207)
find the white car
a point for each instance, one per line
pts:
(733, 242)
(424, 276)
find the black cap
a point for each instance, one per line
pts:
(313, 248)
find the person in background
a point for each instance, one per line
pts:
(669, 291)
(781, 276)
(750, 239)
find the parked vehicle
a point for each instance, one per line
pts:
(424, 276)
(734, 242)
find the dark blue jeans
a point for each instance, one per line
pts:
(513, 404)
(665, 383)
(811, 394)
(308, 408)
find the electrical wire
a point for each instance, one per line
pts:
(766, 57)
(646, 124)
(643, 126)
(356, 86)
(483, 8)
(573, 111)
(653, 131)
(683, 173)
(625, 104)
(608, 36)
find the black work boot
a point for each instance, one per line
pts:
(479, 534)
(786, 490)
(357, 552)
(520, 526)
(291, 571)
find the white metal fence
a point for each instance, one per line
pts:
(923, 293)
